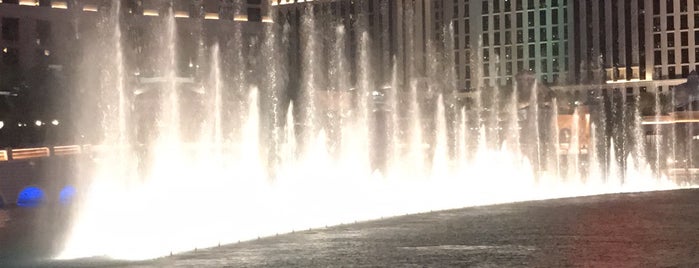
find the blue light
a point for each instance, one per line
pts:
(66, 195)
(30, 196)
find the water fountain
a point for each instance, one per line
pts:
(257, 148)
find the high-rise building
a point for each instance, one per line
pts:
(495, 40)
(399, 29)
(636, 43)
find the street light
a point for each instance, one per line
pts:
(38, 123)
(54, 122)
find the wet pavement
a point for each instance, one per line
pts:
(657, 229)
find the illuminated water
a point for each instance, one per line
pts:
(248, 151)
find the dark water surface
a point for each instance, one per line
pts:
(657, 229)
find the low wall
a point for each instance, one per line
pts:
(50, 174)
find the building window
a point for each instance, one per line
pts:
(670, 22)
(671, 56)
(670, 7)
(520, 37)
(10, 29)
(519, 20)
(671, 39)
(531, 36)
(671, 72)
(683, 22)
(542, 34)
(685, 55)
(254, 14)
(485, 7)
(542, 17)
(684, 39)
(656, 24)
(520, 52)
(485, 23)
(544, 50)
(43, 32)
(11, 1)
(530, 18)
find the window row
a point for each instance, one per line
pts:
(670, 7)
(544, 20)
(506, 38)
(670, 39)
(670, 23)
(672, 72)
(531, 50)
(672, 58)
(556, 66)
(518, 5)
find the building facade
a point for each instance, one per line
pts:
(636, 44)
(400, 30)
(495, 40)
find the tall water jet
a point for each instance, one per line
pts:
(310, 51)
(573, 157)
(216, 116)
(658, 143)
(339, 90)
(555, 157)
(365, 126)
(480, 117)
(512, 138)
(275, 98)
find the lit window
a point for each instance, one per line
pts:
(10, 29)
